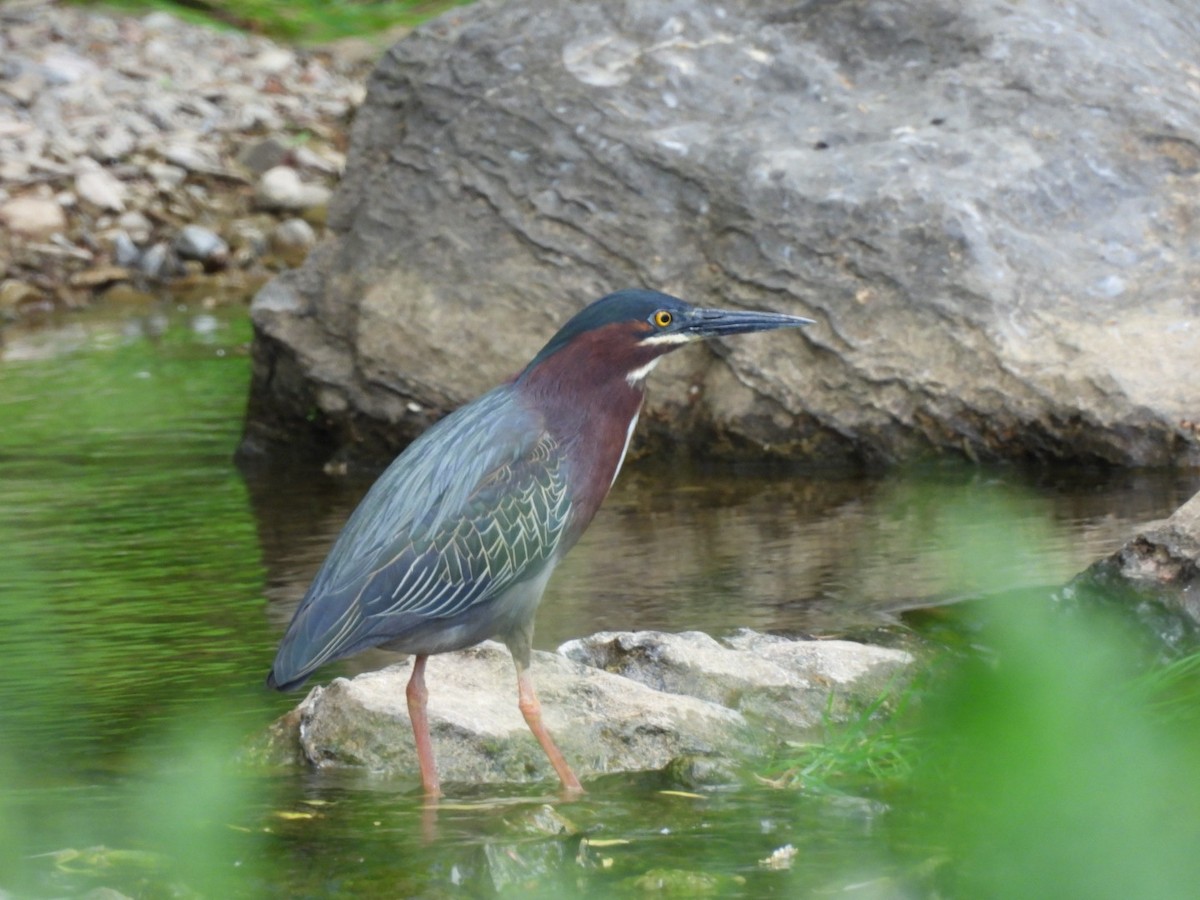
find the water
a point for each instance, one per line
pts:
(144, 582)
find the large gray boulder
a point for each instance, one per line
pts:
(615, 702)
(989, 208)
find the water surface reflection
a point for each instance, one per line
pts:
(717, 548)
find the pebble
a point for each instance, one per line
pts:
(202, 244)
(159, 263)
(15, 294)
(330, 162)
(33, 216)
(166, 177)
(274, 60)
(292, 239)
(98, 187)
(125, 250)
(263, 155)
(137, 227)
(281, 188)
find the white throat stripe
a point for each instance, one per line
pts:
(639, 374)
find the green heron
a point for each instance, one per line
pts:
(455, 542)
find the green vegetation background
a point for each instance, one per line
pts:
(300, 21)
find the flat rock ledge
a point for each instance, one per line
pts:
(615, 702)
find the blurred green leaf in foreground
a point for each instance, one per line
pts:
(1053, 763)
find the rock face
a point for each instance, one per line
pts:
(989, 208)
(614, 703)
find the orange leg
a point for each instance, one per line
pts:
(417, 698)
(531, 709)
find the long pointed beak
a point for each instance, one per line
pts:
(706, 323)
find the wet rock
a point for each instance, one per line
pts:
(989, 209)
(603, 723)
(33, 216)
(673, 709)
(537, 851)
(1154, 578)
(685, 883)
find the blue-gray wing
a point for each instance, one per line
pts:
(475, 505)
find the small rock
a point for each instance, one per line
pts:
(166, 176)
(99, 276)
(15, 293)
(281, 188)
(159, 262)
(116, 144)
(330, 161)
(125, 294)
(98, 187)
(14, 170)
(263, 155)
(273, 60)
(685, 883)
(257, 117)
(291, 241)
(25, 87)
(125, 251)
(136, 225)
(199, 243)
(248, 238)
(66, 67)
(160, 22)
(190, 157)
(33, 216)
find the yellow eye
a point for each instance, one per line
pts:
(662, 318)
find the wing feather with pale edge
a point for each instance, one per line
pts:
(476, 504)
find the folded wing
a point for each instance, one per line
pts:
(475, 505)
